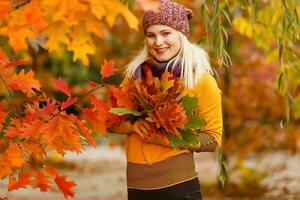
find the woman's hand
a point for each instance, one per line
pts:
(144, 130)
(124, 128)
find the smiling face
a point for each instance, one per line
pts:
(163, 42)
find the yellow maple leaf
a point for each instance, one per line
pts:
(81, 44)
(68, 11)
(149, 4)
(243, 26)
(165, 83)
(114, 8)
(57, 34)
(97, 8)
(91, 24)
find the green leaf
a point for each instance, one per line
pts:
(227, 16)
(190, 104)
(174, 141)
(195, 122)
(296, 104)
(223, 175)
(189, 137)
(216, 7)
(281, 84)
(225, 34)
(125, 111)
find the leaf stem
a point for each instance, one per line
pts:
(11, 97)
(79, 99)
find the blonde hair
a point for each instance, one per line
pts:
(194, 61)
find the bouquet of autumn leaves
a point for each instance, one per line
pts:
(160, 101)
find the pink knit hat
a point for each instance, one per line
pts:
(169, 14)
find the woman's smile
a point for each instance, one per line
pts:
(161, 50)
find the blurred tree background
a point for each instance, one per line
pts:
(253, 45)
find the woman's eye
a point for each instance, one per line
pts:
(166, 33)
(150, 36)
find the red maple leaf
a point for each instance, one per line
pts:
(62, 86)
(3, 58)
(50, 171)
(24, 180)
(70, 101)
(107, 69)
(93, 84)
(65, 186)
(41, 181)
(5, 62)
(16, 63)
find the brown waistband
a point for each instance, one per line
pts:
(161, 174)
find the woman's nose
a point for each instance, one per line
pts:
(158, 41)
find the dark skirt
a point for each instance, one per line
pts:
(189, 190)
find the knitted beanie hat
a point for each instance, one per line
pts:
(169, 14)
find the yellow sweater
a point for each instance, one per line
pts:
(209, 106)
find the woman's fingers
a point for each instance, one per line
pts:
(142, 128)
(146, 125)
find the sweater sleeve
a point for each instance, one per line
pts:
(209, 106)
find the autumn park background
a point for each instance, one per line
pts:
(56, 56)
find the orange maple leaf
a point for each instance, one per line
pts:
(31, 129)
(24, 180)
(176, 117)
(5, 166)
(107, 69)
(41, 181)
(33, 148)
(4, 9)
(13, 132)
(61, 134)
(36, 19)
(24, 82)
(97, 123)
(120, 98)
(15, 155)
(65, 186)
(84, 130)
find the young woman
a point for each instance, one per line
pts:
(154, 169)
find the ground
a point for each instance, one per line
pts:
(100, 175)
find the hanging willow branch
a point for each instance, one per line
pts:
(217, 20)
